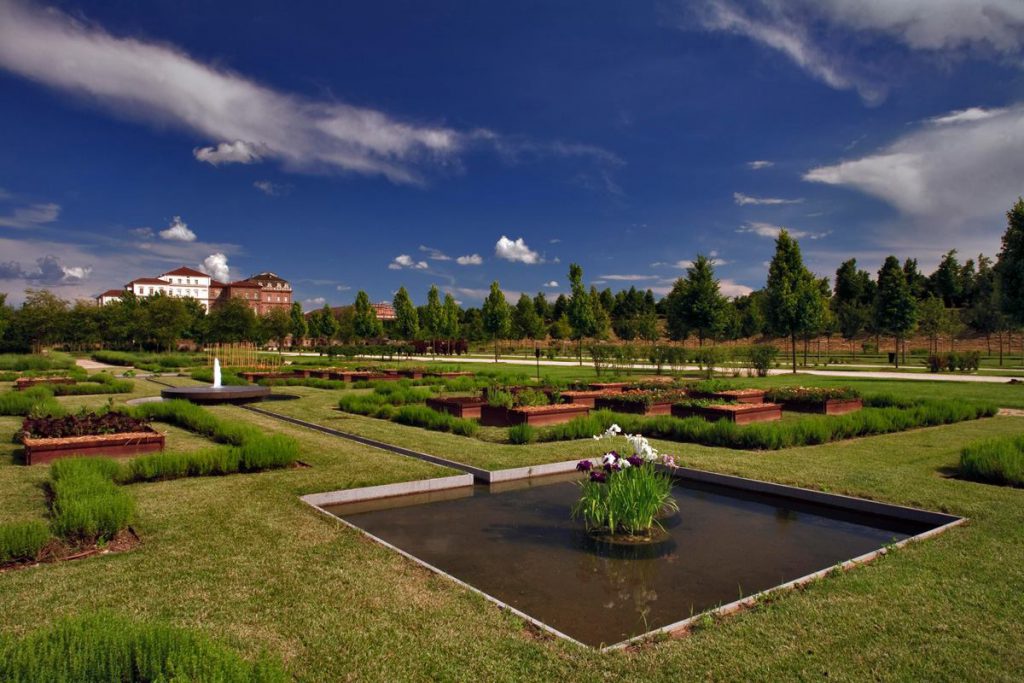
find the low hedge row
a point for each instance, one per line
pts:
(87, 503)
(994, 461)
(100, 383)
(314, 382)
(22, 540)
(37, 400)
(102, 647)
(152, 362)
(888, 415)
(375, 405)
(21, 362)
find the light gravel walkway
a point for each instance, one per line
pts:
(96, 366)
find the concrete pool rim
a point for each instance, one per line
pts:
(941, 522)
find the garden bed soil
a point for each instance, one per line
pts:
(536, 416)
(633, 407)
(23, 383)
(608, 387)
(832, 406)
(738, 413)
(42, 451)
(459, 406)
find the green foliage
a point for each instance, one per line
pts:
(525, 321)
(19, 362)
(36, 400)
(963, 361)
(87, 505)
(628, 501)
(152, 362)
(809, 396)
(299, 326)
(422, 416)
(793, 297)
(103, 647)
(495, 316)
(407, 323)
(994, 461)
(314, 382)
(100, 383)
(762, 358)
(433, 314)
(22, 540)
(695, 304)
(531, 397)
(254, 455)
(895, 307)
(522, 434)
(365, 323)
(233, 321)
(499, 398)
(882, 415)
(579, 311)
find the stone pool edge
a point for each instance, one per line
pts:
(838, 501)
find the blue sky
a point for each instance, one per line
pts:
(369, 145)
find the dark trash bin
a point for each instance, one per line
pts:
(892, 357)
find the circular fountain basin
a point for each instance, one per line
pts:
(208, 395)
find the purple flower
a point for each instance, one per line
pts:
(584, 466)
(635, 460)
(669, 460)
(598, 477)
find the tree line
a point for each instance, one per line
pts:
(980, 294)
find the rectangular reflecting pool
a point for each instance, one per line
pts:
(517, 544)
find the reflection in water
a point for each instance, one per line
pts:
(520, 546)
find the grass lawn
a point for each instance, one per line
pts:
(242, 559)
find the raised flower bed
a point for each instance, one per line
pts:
(112, 434)
(459, 406)
(449, 375)
(256, 376)
(23, 383)
(582, 398)
(608, 387)
(640, 402)
(537, 416)
(822, 400)
(738, 413)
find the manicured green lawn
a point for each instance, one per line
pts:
(242, 559)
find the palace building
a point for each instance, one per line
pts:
(263, 292)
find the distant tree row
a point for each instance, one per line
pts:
(984, 296)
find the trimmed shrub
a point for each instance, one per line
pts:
(313, 382)
(522, 434)
(994, 461)
(422, 416)
(87, 504)
(103, 647)
(100, 383)
(22, 540)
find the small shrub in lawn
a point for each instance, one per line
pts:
(995, 461)
(522, 434)
(422, 416)
(22, 540)
(103, 647)
(34, 401)
(399, 394)
(87, 504)
(762, 358)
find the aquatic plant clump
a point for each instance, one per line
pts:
(625, 495)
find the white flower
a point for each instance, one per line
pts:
(609, 459)
(623, 463)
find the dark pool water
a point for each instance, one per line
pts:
(520, 546)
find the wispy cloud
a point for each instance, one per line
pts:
(772, 231)
(470, 260)
(746, 200)
(965, 168)
(759, 164)
(31, 216)
(435, 254)
(627, 278)
(244, 121)
(272, 189)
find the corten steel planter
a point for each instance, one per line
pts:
(738, 413)
(740, 395)
(258, 375)
(41, 451)
(832, 406)
(23, 383)
(537, 416)
(459, 406)
(449, 375)
(608, 387)
(582, 398)
(633, 407)
(411, 374)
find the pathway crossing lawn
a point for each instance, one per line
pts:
(243, 560)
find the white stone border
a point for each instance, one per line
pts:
(837, 501)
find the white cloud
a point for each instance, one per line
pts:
(822, 36)
(405, 261)
(516, 251)
(627, 278)
(772, 231)
(272, 189)
(551, 284)
(435, 254)
(315, 302)
(688, 263)
(216, 266)
(76, 272)
(470, 260)
(966, 115)
(237, 152)
(242, 120)
(144, 232)
(343, 288)
(178, 231)
(31, 216)
(745, 200)
(49, 270)
(732, 288)
(969, 167)
(759, 164)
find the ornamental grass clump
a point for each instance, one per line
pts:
(104, 647)
(22, 540)
(34, 401)
(87, 505)
(994, 461)
(522, 434)
(624, 496)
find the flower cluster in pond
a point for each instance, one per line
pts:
(612, 461)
